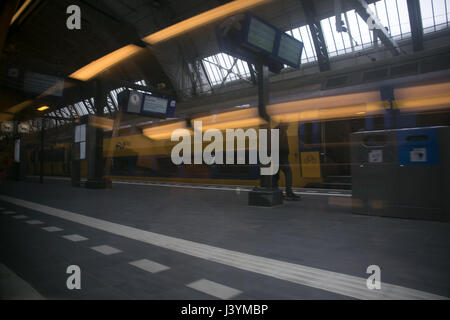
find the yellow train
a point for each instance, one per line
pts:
(146, 157)
(318, 137)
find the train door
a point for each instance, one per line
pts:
(309, 149)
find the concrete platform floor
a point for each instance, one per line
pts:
(143, 241)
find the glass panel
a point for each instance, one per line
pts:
(218, 67)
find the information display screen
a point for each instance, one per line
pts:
(261, 35)
(154, 104)
(290, 49)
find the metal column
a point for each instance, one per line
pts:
(264, 195)
(94, 142)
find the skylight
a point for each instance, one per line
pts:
(222, 68)
(393, 15)
(435, 14)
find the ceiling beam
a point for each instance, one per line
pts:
(362, 8)
(317, 35)
(415, 21)
(252, 73)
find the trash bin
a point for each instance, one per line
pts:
(374, 160)
(402, 173)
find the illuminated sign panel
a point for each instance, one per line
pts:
(254, 40)
(290, 49)
(140, 103)
(155, 104)
(261, 35)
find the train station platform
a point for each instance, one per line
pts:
(142, 240)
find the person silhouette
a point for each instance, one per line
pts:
(284, 164)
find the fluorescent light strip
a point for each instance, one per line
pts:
(94, 68)
(19, 12)
(201, 20)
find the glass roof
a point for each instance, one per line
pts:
(393, 14)
(221, 68)
(435, 14)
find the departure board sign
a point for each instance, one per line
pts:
(290, 49)
(261, 35)
(254, 40)
(154, 104)
(141, 103)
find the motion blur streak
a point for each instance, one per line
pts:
(230, 120)
(101, 122)
(95, 67)
(422, 98)
(202, 19)
(164, 131)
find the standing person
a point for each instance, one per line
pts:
(284, 164)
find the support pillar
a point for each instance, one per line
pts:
(17, 151)
(41, 157)
(264, 195)
(94, 147)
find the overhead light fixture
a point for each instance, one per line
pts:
(19, 12)
(95, 67)
(43, 108)
(202, 19)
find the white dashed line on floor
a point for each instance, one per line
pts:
(75, 237)
(150, 266)
(52, 229)
(34, 222)
(106, 250)
(339, 283)
(21, 216)
(214, 289)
